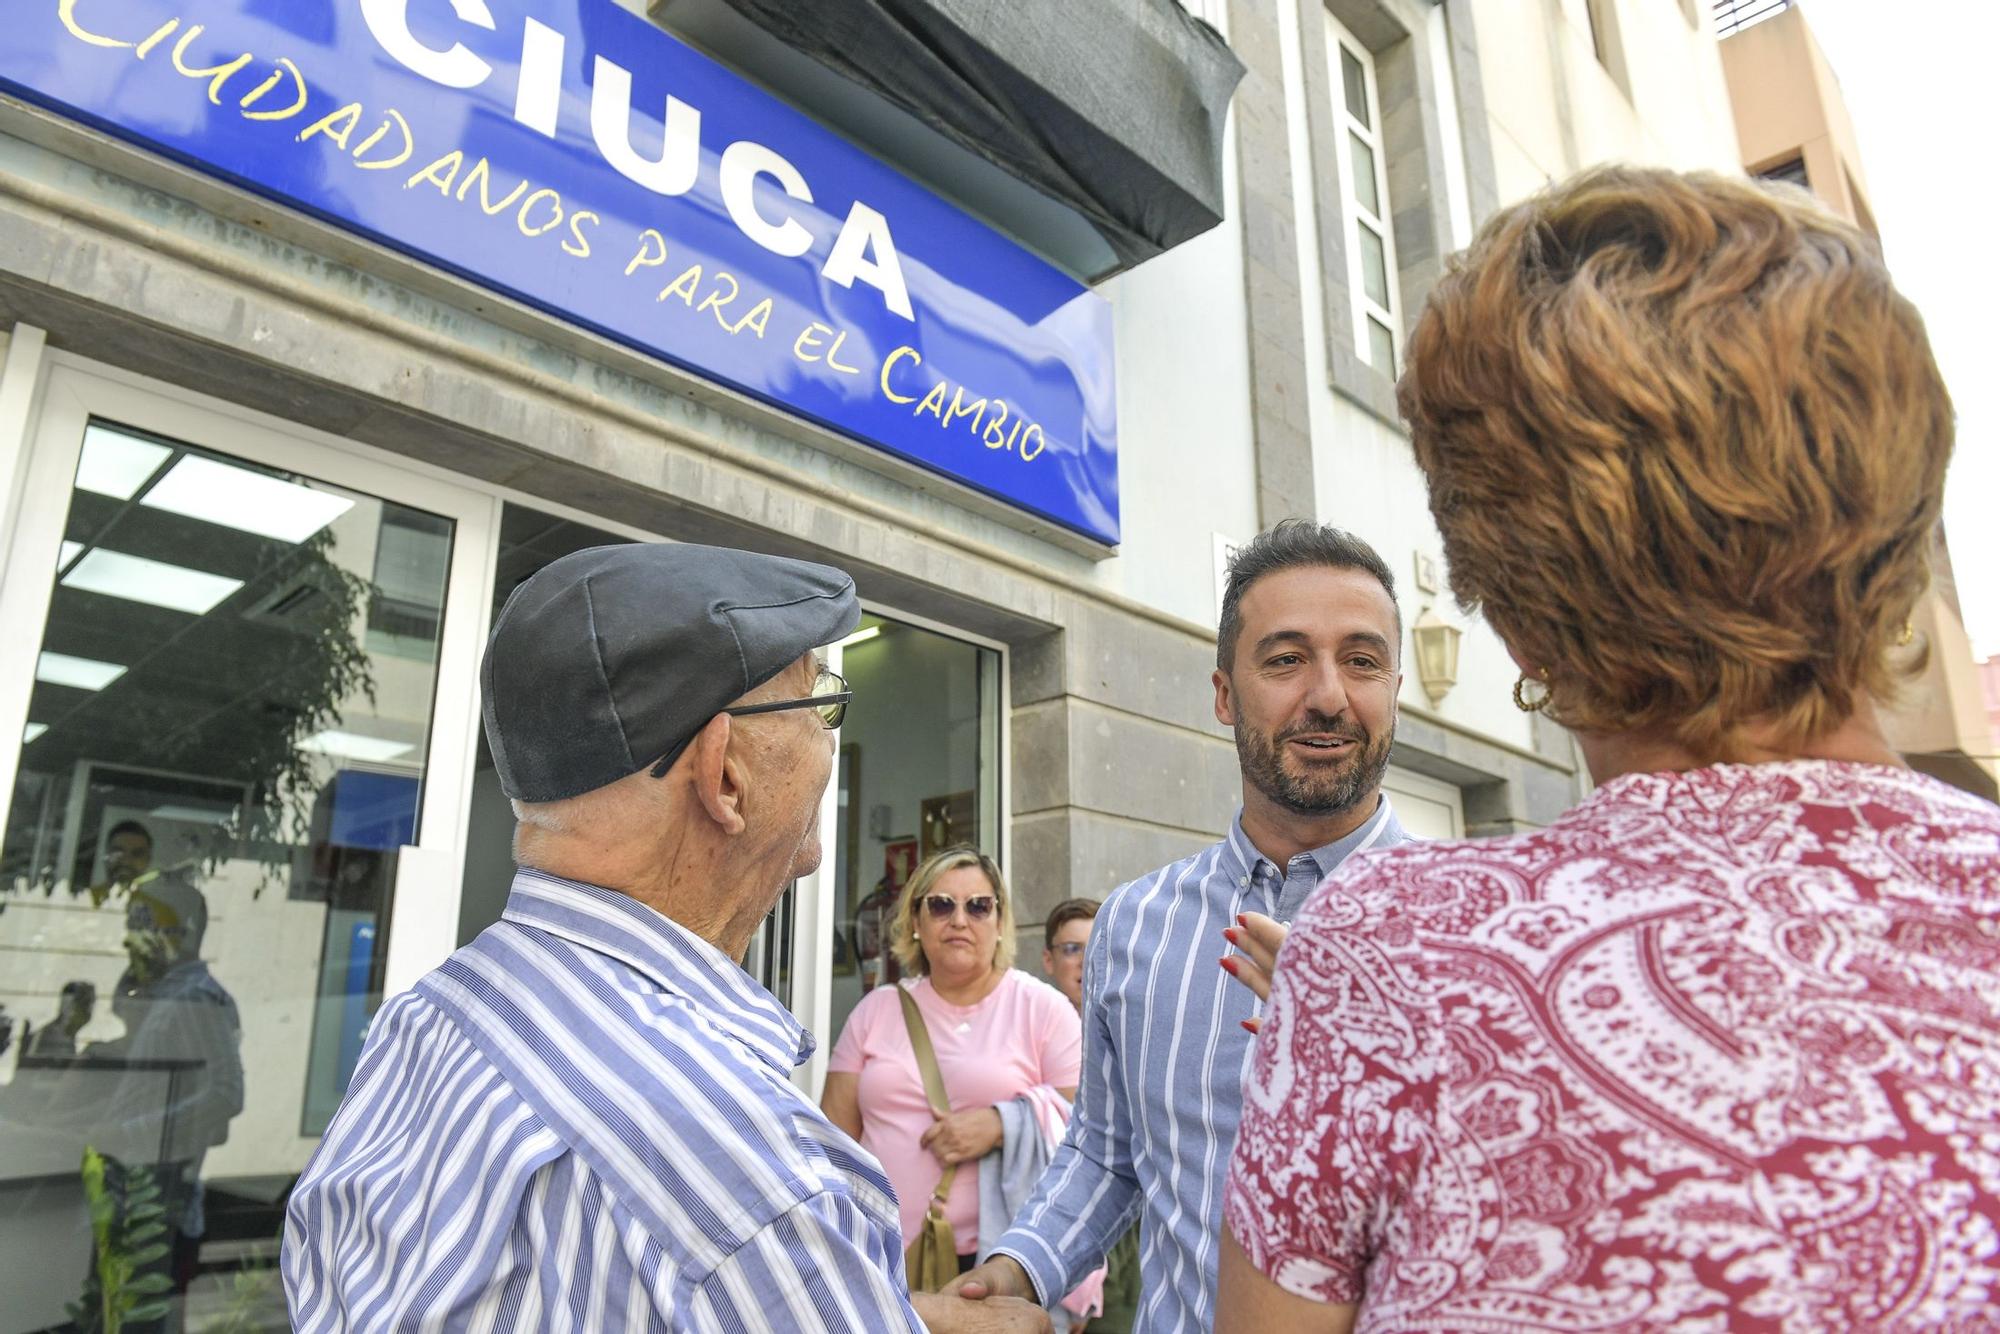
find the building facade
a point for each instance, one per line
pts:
(269, 462)
(1794, 127)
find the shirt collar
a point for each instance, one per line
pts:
(620, 927)
(1379, 830)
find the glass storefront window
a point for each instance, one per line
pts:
(228, 733)
(529, 539)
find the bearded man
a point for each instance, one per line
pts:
(1307, 670)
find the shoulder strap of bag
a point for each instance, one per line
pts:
(920, 1042)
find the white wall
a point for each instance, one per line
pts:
(1187, 464)
(1366, 479)
(1553, 109)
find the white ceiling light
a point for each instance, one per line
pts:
(69, 552)
(31, 731)
(861, 636)
(189, 814)
(115, 464)
(115, 574)
(354, 746)
(61, 669)
(202, 488)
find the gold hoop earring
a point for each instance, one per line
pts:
(1521, 700)
(1909, 633)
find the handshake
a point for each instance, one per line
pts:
(995, 1296)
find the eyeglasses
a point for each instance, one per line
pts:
(1069, 949)
(977, 908)
(828, 699)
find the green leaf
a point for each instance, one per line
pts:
(144, 1232)
(150, 1311)
(147, 1284)
(145, 1255)
(140, 1212)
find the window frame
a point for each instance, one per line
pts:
(1354, 212)
(419, 930)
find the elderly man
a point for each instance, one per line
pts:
(584, 1120)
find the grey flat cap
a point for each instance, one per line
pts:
(607, 659)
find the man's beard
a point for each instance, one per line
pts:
(1324, 792)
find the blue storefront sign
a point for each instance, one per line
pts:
(574, 156)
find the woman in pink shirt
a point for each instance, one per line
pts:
(999, 1034)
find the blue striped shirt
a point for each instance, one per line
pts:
(584, 1120)
(1164, 1052)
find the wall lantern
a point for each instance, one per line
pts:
(1437, 654)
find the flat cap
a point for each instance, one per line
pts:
(608, 659)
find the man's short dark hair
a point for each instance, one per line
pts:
(130, 827)
(1060, 916)
(1293, 544)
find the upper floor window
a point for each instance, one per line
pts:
(1371, 249)
(1791, 172)
(1600, 20)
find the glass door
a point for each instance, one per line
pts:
(235, 683)
(919, 771)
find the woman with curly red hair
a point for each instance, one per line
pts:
(1720, 1048)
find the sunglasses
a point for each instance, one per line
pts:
(1069, 949)
(977, 908)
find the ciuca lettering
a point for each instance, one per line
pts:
(863, 249)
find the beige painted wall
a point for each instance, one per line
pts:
(1788, 104)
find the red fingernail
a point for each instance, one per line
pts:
(1229, 934)
(1249, 1027)
(1242, 920)
(1228, 966)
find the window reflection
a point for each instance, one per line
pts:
(226, 742)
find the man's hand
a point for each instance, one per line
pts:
(942, 1312)
(963, 1137)
(1258, 937)
(1001, 1276)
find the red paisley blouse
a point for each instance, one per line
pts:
(1717, 1050)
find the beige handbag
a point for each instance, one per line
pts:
(932, 1259)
